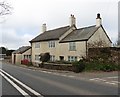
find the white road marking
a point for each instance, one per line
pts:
(110, 83)
(113, 77)
(14, 85)
(106, 81)
(98, 79)
(25, 86)
(115, 81)
(71, 76)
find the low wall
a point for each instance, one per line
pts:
(67, 67)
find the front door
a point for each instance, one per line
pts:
(14, 59)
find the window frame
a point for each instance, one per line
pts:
(37, 44)
(72, 58)
(52, 58)
(72, 46)
(37, 58)
(51, 44)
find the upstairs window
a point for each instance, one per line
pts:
(51, 44)
(72, 46)
(37, 45)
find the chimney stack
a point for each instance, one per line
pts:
(72, 20)
(98, 20)
(44, 28)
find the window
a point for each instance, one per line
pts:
(37, 57)
(37, 45)
(28, 57)
(52, 58)
(72, 46)
(51, 44)
(72, 58)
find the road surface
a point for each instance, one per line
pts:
(23, 81)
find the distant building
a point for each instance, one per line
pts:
(20, 54)
(2, 53)
(69, 43)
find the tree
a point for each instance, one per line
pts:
(5, 8)
(3, 50)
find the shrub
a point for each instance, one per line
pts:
(44, 57)
(101, 66)
(78, 66)
(26, 62)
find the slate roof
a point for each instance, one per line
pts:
(51, 34)
(21, 49)
(81, 34)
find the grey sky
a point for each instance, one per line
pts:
(28, 16)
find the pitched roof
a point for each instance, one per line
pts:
(81, 34)
(21, 49)
(51, 34)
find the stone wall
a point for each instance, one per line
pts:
(107, 54)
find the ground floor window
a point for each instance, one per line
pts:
(52, 58)
(72, 58)
(37, 57)
(28, 57)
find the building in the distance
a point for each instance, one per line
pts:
(20, 54)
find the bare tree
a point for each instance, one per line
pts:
(97, 44)
(5, 8)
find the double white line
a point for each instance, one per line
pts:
(8, 77)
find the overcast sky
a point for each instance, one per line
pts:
(28, 15)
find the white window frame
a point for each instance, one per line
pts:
(72, 58)
(72, 46)
(37, 45)
(51, 44)
(37, 58)
(52, 57)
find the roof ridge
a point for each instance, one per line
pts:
(86, 27)
(57, 28)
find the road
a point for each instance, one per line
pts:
(23, 81)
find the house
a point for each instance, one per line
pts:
(69, 43)
(22, 53)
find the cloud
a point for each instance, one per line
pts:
(28, 16)
(11, 39)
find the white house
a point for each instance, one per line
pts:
(69, 43)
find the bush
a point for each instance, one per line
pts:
(78, 66)
(44, 57)
(26, 62)
(101, 66)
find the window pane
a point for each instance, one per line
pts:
(37, 57)
(51, 44)
(37, 45)
(72, 46)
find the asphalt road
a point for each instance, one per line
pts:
(47, 83)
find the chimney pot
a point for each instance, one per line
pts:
(98, 20)
(98, 16)
(72, 20)
(44, 28)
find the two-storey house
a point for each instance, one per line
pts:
(69, 43)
